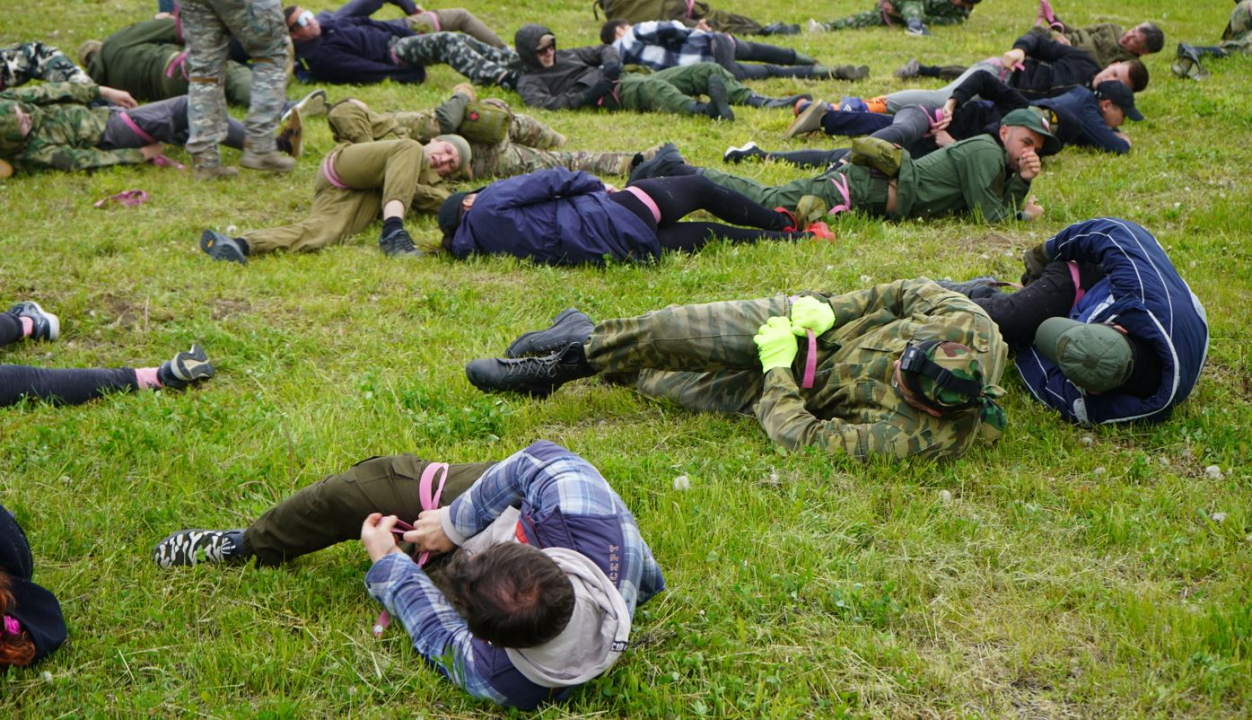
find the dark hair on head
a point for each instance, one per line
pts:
(14, 649)
(511, 595)
(287, 12)
(1153, 37)
(1138, 75)
(608, 33)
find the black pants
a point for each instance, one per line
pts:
(1020, 314)
(70, 387)
(164, 121)
(729, 52)
(677, 197)
(907, 130)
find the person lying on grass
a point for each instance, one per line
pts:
(913, 15)
(560, 217)
(23, 62)
(27, 320)
(1080, 117)
(987, 176)
(1036, 67)
(546, 563)
(897, 370)
(31, 624)
(592, 77)
(54, 126)
(1105, 329)
(1237, 38)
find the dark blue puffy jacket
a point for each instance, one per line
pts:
(556, 217)
(1142, 292)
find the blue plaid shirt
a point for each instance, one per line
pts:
(547, 478)
(661, 44)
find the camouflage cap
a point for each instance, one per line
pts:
(947, 376)
(11, 139)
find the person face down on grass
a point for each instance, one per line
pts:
(897, 370)
(560, 217)
(537, 564)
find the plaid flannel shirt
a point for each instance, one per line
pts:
(664, 44)
(546, 477)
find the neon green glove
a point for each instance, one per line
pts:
(777, 344)
(809, 313)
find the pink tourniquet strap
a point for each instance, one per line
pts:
(126, 197)
(647, 200)
(180, 63)
(138, 130)
(841, 184)
(434, 19)
(1078, 291)
(328, 169)
(428, 494)
(691, 7)
(810, 362)
(11, 625)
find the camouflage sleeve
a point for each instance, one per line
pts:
(63, 157)
(917, 298)
(51, 93)
(784, 418)
(912, 10)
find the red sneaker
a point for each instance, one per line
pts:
(791, 216)
(820, 231)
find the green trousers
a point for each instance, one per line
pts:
(701, 357)
(672, 90)
(331, 511)
(374, 173)
(867, 193)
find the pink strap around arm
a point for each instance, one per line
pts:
(1078, 291)
(810, 362)
(841, 184)
(428, 494)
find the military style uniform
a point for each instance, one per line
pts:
(148, 61)
(968, 176)
(207, 27)
(19, 64)
(688, 13)
(1238, 34)
(66, 134)
(478, 61)
(672, 90)
(703, 357)
(525, 145)
(1101, 43)
(928, 12)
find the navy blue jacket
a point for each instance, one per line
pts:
(1051, 68)
(556, 217)
(355, 49)
(1142, 292)
(1077, 111)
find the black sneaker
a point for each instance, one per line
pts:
(534, 376)
(719, 99)
(185, 368)
(779, 28)
(46, 325)
(569, 326)
(219, 247)
(747, 151)
(983, 286)
(398, 243)
(191, 547)
(668, 162)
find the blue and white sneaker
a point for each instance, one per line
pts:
(47, 325)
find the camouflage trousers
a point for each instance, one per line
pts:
(699, 356)
(1239, 37)
(478, 61)
(208, 26)
(21, 63)
(454, 20)
(528, 147)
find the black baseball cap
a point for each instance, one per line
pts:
(1121, 96)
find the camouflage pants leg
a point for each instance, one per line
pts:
(701, 356)
(21, 63)
(518, 159)
(259, 27)
(526, 130)
(478, 61)
(1239, 38)
(869, 18)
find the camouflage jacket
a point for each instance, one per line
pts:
(351, 123)
(852, 406)
(19, 64)
(931, 12)
(64, 131)
(1101, 43)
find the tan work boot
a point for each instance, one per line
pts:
(273, 161)
(211, 170)
(291, 138)
(6, 170)
(467, 90)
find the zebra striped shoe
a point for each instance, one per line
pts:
(190, 547)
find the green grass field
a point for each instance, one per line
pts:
(1064, 573)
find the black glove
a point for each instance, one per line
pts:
(1035, 259)
(612, 71)
(597, 91)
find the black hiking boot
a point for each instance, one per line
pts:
(668, 162)
(535, 376)
(398, 243)
(719, 98)
(569, 326)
